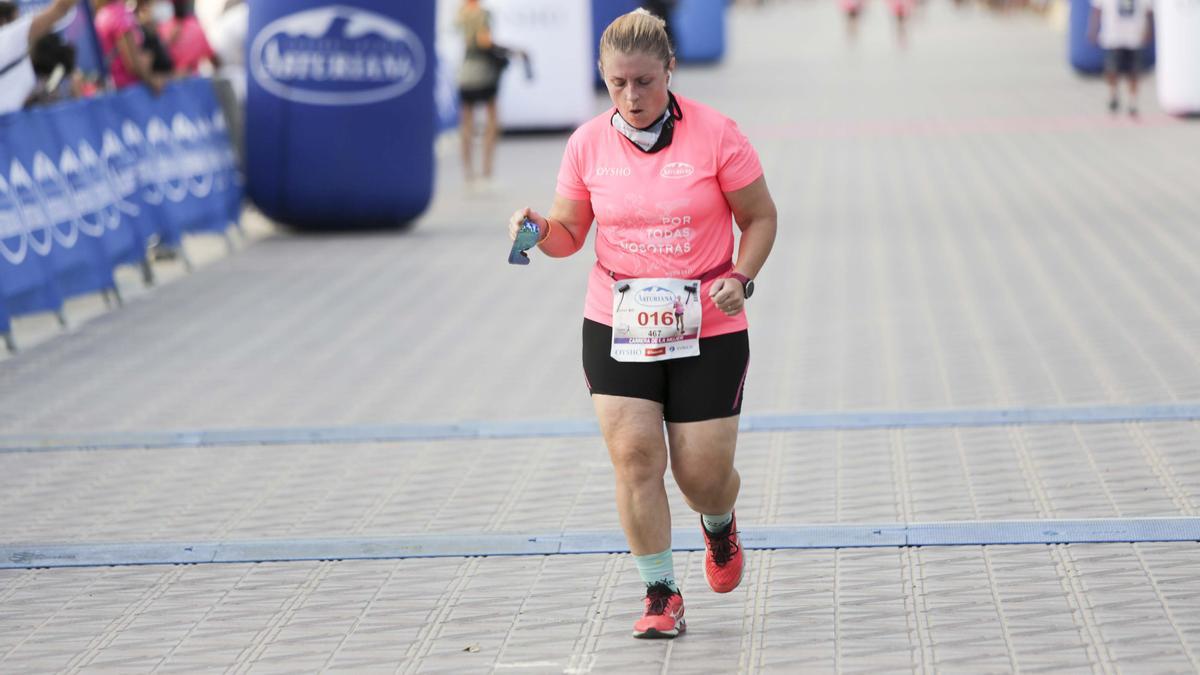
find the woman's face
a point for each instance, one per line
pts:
(637, 84)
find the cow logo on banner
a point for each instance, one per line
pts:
(337, 55)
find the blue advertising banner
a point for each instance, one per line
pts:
(78, 29)
(340, 111)
(86, 185)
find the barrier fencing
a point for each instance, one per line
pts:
(89, 185)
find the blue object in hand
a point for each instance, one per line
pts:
(527, 238)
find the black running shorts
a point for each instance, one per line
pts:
(1127, 61)
(704, 387)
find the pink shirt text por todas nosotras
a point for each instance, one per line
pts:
(661, 214)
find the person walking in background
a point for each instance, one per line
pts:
(121, 43)
(230, 34)
(1122, 28)
(652, 160)
(478, 83)
(18, 35)
(185, 40)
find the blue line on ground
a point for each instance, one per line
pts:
(392, 433)
(962, 533)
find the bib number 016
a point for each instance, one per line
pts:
(656, 318)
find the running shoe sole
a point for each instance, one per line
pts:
(655, 634)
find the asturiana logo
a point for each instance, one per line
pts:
(337, 55)
(677, 170)
(655, 296)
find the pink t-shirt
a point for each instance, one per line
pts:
(113, 21)
(190, 48)
(661, 214)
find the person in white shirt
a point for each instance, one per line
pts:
(17, 36)
(228, 39)
(1122, 28)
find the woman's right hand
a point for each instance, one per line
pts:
(519, 216)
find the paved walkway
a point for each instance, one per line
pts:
(963, 229)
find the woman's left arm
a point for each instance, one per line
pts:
(755, 215)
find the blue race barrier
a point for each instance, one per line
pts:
(86, 185)
(26, 286)
(1086, 57)
(79, 163)
(699, 27)
(340, 111)
(76, 260)
(147, 137)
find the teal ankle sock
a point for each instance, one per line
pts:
(657, 568)
(717, 523)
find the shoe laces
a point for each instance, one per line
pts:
(723, 546)
(659, 596)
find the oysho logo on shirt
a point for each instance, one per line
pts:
(677, 170)
(337, 55)
(622, 171)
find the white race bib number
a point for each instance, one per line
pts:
(655, 319)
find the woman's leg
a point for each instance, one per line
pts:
(466, 130)
(702, 463)
(632, 429)
(491, 131)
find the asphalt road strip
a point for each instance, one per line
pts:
(458, 545)
(532, 429)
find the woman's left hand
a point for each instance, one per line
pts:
(728, 295)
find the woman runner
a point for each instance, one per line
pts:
(663, 176)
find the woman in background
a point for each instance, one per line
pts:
(121, 43)
(478, 83)
(185, 39)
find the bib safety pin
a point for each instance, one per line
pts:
(621, 289)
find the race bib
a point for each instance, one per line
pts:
(655, 319)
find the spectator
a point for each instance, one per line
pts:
(121, 43)
(54, 66)
(478, 82)
(230, 33)
(229, 42)
(1122, 28)
(185, 40)
(150, 15)
(18, 35)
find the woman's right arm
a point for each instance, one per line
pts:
(565, 228)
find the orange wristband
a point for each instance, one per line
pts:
(549, 227)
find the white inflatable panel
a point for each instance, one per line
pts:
(557, 34)
(1177, 31)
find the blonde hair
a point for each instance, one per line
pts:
(637, 32)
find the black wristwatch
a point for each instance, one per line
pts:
(747, 283)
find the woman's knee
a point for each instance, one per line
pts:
(638, 462)
(699, 481)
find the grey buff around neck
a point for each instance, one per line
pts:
(643, 138)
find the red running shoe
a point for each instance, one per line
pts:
(723, 559)
(664, 614)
